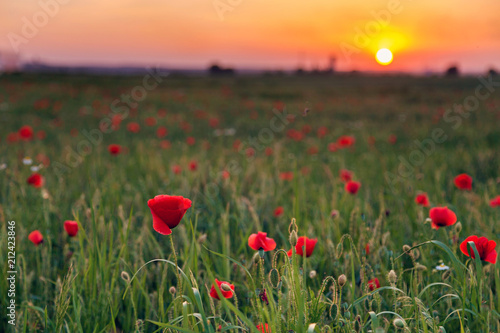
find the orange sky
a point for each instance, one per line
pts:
(423, 34)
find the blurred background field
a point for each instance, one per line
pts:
(227, 143)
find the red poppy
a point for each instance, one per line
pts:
(333, 147)
(213, 122)
(35, 180)
(114, 149)
(73, 132)
(264, 328)
(41, 135)
(162, 113)
(176, 169)
(268, 151)
(367, 249)
(165, 144)
(278, 211)
(442, 217)
(495, 202)
(371, 140)
(71, 228)
(312, 150)
(352, 187)
(161, 132)
(260, 241)
(305, 170)
(463, 182)
(306, 129)
(44, 159)
(225, 293)
(35, 237)
(193, 165)
(392, 139)
(12, 137)
(167, 211)
(250, 152)
(485, 248)
(321, 132)
(190, 141)
(133, 127)
(150, 121)
(225, 174)
(373, 284)
(288, 175)
(346, 141)
(26, 132)
(236, 145)
(302, 242)
(345, 175)
(422, 199)
(116, 120)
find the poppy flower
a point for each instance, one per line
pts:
(345, 175)
(213, 122)
(236, 145)
(167, 211)
(35, 237)
(161, 132)
(346, 141)
(260, 241)
(193, 165)
(190, 141)
(373, 284)
(333, 147)
(302, 242)
(278, 211)
(176, 169)
(321, 132)
(162, 113)
(73, 132)
(367, 249)
(264, 328)
(12, 137)
(250, 152)
(485, 248)
(463, 182)
(26, 132)
(305, 170)
(41, 135)
(371, 140)
(133, 127)
(288, 175)
(306, 129)
(422, 199)
(114, 149)
(392, 139)
(268, 151)
(495, 202)
(225, 174)
(165, 144)
(150, 121)
(352, 187)
(225, 293)
(312, 150)
(35, 180)
(71, 228)
(442, 217)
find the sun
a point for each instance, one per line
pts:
(384, 56)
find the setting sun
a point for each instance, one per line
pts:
(384, 56)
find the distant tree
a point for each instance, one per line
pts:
(492, 72)
(452, 71)
(216, 70)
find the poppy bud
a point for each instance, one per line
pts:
(458, 227)
(172, 290)
(406, 248)
(342, 280)
(392, 277)
(419, 267)
(274, 277)
(293, 226)
(312, 274)
(398, 323)
(293, 238)
(225, 287)
(202, 238)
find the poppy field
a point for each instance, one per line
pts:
(272, 203)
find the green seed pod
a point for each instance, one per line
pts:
(398, 323)
(225, 287)
(274, 278)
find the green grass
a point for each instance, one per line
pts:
(117, 274)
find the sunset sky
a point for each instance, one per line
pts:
(423, 35)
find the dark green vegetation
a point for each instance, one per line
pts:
(79, 284)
